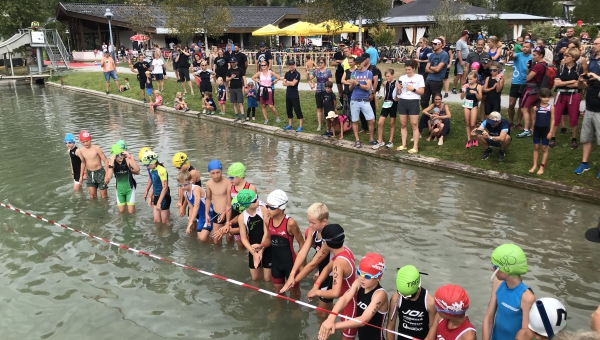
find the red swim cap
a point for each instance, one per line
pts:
(372, 264)
(84, 135)
(451, 299)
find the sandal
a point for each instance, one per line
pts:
(413, 150)
(401, 148)
(357, 144)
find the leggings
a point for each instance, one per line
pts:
(491, 105)
(568, 102)
(253, 109)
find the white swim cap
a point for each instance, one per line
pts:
(557, 315)
(278, 199)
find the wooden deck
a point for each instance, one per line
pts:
(38, 78)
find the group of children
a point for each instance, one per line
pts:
(229, 206)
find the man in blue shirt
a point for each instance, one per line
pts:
(372, 51)
(436, 67)
(494, 131)
(519, 78)
(361, 85)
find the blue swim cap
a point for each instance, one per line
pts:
(70, 138)
(214, 165)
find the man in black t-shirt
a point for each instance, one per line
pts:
(236, 77)
(263, 55)
(338, 61)
(241, 57)
(183, 61)
(292, 97)
(140, 68)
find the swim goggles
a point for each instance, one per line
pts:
(369, 276)
(333, 238)
(69, 142)
(183, 185)
(238, 205)
(270, 207)
(231, 178)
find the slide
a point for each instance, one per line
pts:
(16, 41)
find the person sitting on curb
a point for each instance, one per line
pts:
(494, 131)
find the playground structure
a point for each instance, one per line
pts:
(47, 39)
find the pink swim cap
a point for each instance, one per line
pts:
(475, 66)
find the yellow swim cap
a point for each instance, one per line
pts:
(179, 159)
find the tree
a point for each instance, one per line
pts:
(547, 8)
(493, 25)
(382, 35)
(448, 20)
(587, 11)
(142, 16)
(187, 18)
(541, 30)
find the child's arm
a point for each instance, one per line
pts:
(478, 95)
(485, 86)
(294, 230)
(534, 117)
(148, 186)
(194, 209)
(329, 326)
(109, 172)
(500, 85)
(83, 165)
(552, 127)
(132, 163)
(207, 203)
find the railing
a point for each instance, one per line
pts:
(54, 43)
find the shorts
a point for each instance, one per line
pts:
(540, 134)
(459, 68)
(338, 77)
(590, 127)
(349, 311)
(358, 106)
(236, 96)
(175, 66)
(111, 74)
(158, 76)
(221, 102)
(266, 261)
(143, 84)
(205, 87)
(409, 107)
(495, 143)
(529, 99)
(319, 99)
(326, 285)
(568, 102)
(390, 111)
(149, 91)
(166, 202)
(447, 73)
(184, 74)
(95, 179)
(125, 197)
(268, 101)
(516, 90)
(281, 272)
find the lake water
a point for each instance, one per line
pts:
(60, 285)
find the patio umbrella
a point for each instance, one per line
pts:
(266, 30)
(300, 28)
(334, 28)
(139, 38)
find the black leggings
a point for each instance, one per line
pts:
(253, 109)
(424, 120)
(491, 105)
(293, 104)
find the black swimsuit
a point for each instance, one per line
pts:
(75, 163)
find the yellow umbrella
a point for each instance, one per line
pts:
(334, 28)
(299, 28)
(267, 30)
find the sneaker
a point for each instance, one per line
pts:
(289, 127)
(552, 144)
(248, 118)
(563, 131)
(378, 145)
(318, 128)
(300, 129)
(241, 119)
(145, 101)
(468, 145)
(525, 133)
(475, 142)
(454, 91)
(582, 168)
(486, 154)
(374, 142)
(441, 142)
(446, 95)
(221, 113)
(203, 111)
(266, 121)
(277, 120)
(574, 145)
(389, 145)
(236, 118)
(186, 109)
(107, 92)
(501, 155)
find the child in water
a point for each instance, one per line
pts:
(196, 199)
(217, 194)
(157, 100)
(158, 182)
(77, 171)
(92, 160)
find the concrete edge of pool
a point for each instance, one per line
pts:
(548, 187)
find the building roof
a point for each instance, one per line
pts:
(243, 17)
(426, 7)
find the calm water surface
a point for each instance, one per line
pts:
(58, 285)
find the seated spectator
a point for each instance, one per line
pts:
(494, 131)
(436, 117)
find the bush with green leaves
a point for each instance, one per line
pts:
(382, 35)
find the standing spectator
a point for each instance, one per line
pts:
(110, 70)
(519, 78)
(492, 89)
(541, 44)
(211, 58)
(471, 95)
(448, 50)
(494, 48)
(389, 108)
(329, 102)
(229, 53)
(372, 51)
(477, 55)
(411, 87)
(462, 52)
(323, 75)
(561, 46)
(582, 65)
(479, 35)
(265, 90)
(140, 67)
(346, 82)
(543, 128)
(356, 50)
(567, 95)
(423, 54)
(203, 76)
(183, 61)
(518, 45)
(436, 67)
(530, 97)
(437, 118)
(157, 71)
(361, 82)
(590, 127)
(292, 97)
(220, 66)
(240, 56)
(561, 32)
(377, 78)
(236, 77)
(174, 54)
(263, 55)
(340, 61)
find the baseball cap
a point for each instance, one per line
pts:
(291, 62)
(493, 118)
(365, 56)
(262, 44)
(436, 41)
(464, 32)
(233, 60)
(485, 60)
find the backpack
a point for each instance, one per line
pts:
(549, 76)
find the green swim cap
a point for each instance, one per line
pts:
(122, 144)
(116, 149)
(408, 280)
(510, 259)
(237, 170)
(243, 200)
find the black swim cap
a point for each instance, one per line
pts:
(333, 235)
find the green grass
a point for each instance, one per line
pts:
(561, 162)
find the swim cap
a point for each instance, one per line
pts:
(179, 159)
(243, 200)
(557, 315)
(372, 264)
(122, 144)
(510, 259)
(475, 66)
(408, 280)
(70, 138)
(451, 299)
(237, 170)
(84, 135)
(142, 150)
(149, 157)
(278, 198)
(214, 165)
(116, 149)
(333, 235)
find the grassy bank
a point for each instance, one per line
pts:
(561, 162)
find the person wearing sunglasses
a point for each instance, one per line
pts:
(452, 322)
(283, 230)
(413, 305)
(123, 166)
(181, 163)
(371, 301)
(158, 181)
(75, 156)
(343, 267)
(194, 197)
(492, 88)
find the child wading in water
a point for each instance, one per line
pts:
(92, 158)
(77, 171)
(158, 181)
(157, 100)
(471, 95)
(123, 166)
(252, 101)
(195, 197)
(217, 194)
(543, 122)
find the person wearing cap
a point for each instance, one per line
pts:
(371, 300)
(263, 55)
(110, 70)
(343, 269)
(194, 197)
(462, 52)
(283, 230)
(292, 97)
(123, 166)
(217, 195)
(494, 131)
(452, 322)
(436, 69)
(236, 77)
(413, 304)
(92, 159)
(158, 181)
(181, 163)
(511, 300)
(361, 85)
(77, 171)
(536, 329)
